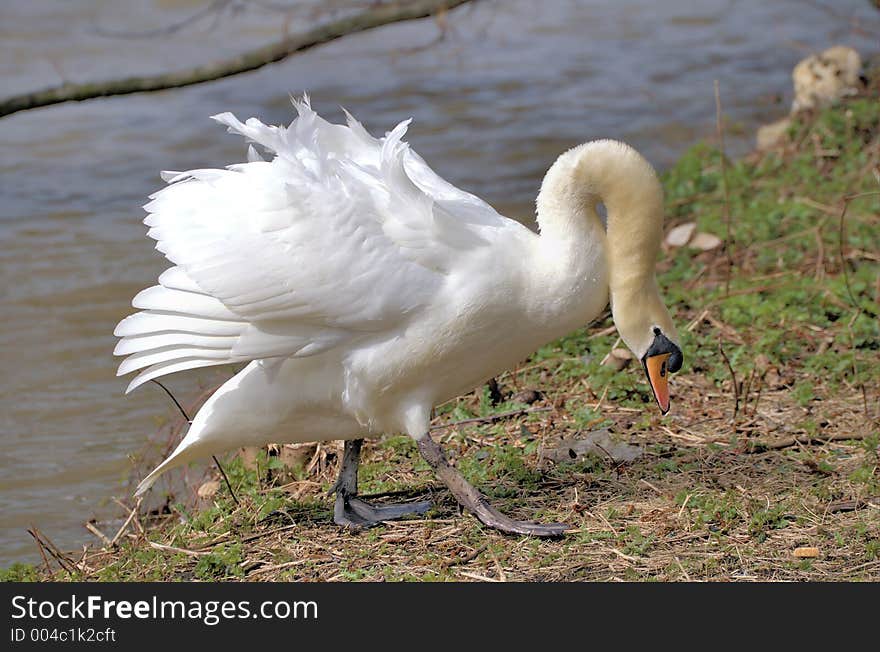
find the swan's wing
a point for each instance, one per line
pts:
(338, 236)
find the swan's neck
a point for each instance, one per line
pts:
(617, 176)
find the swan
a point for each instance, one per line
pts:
(361, 289)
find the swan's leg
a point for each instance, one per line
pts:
(476, 502)
(352, 512)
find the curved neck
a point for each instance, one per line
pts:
(616, 175)
(619, 177)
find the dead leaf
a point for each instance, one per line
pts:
(681, 234)
(705, 241)
(598, 442)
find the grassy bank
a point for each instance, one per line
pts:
(766, 468)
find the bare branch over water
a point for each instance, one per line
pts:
(368, 19)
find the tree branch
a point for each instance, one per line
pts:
(368, 19)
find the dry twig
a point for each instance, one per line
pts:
(734, 381)
(760, 445)
(719, 128)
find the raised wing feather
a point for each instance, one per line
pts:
(338, 236)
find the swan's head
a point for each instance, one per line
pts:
(662, 358)
(624, 181)
(645, 326)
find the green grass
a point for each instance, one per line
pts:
(786, 284)
(18, 572)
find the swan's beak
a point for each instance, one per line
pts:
(657, 368)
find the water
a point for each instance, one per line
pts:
(510, 86)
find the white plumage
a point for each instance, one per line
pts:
(340, 236)
(363, 289)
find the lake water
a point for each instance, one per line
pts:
(508, 88)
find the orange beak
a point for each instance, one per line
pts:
(658, 376)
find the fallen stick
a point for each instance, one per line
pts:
(42, 551)
(131, 515)
(477, 576)
(734, 381)
(852, 505)
(103, 537)
(762, 444)
(137, 521)
(277, 567)
(191, 553)
(44, 542)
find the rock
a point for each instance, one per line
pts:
(770, 135)
(821, 79)
(617, 359)
(705, 241)
(208, 489)
(295, 456)
(527, 396)
(623, 354)
(681, 234)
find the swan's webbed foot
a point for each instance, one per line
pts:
(354, 513)
(472, 500)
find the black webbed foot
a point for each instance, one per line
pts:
(354, 513)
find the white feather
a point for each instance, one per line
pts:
(362, 287)
(150, 322)
(187, 303)
(174, 278)
(170, 367)
(138, 343)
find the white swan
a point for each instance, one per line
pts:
(363, 289)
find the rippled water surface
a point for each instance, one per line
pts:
(508, 87)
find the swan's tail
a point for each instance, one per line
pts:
(209, 434)
(201, 439)
(187, 450)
